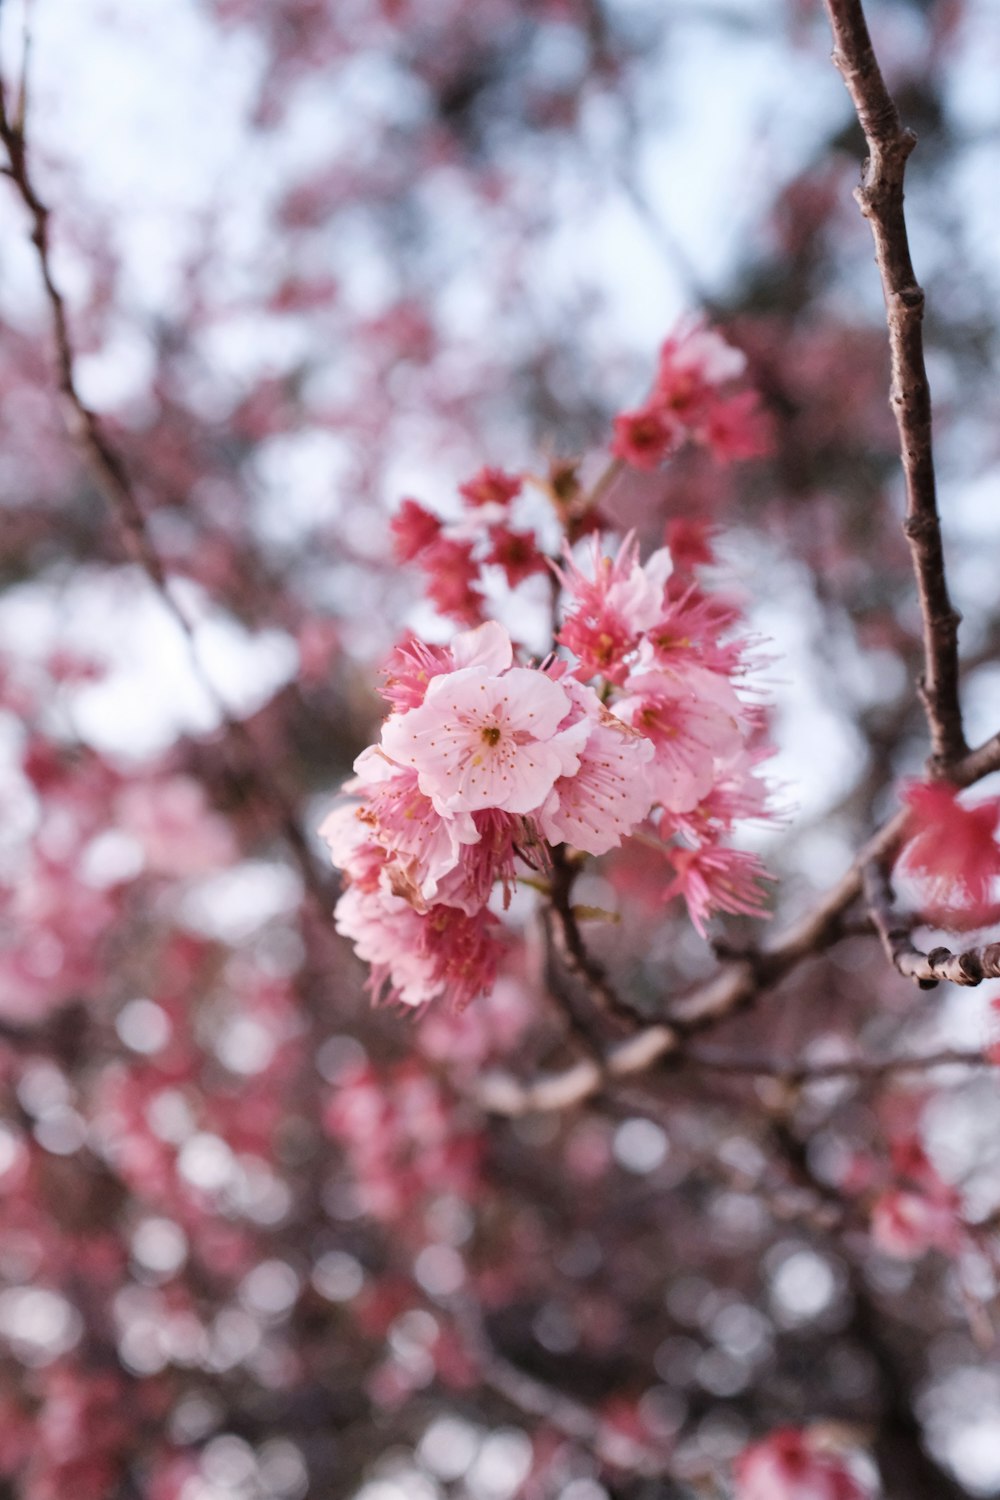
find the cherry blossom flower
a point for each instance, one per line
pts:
(420, 846)
(517, 553)
(609, 794)
(690, 543)
(952, 852)
(485, 740)
(416, 958)
(610, 611)
(791, 1465)
(490, 487)
(452, 576)
(714, 878)
(690, 632)
(413, 530)
(409, 669)
(692, 723)
(693, 361)
(645, 437)
(906, 1224)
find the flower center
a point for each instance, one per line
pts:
(490, 734)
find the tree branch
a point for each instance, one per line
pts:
(968, 968)
(573, 950)
(112, 477)
(735, 986)
(855, 1069)
(880, 198)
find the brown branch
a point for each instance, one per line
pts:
(908, 1470)
(112, 477)
(855, 1069)
(573, 950)
(735, 986)
(968, 968)
(880, 198)
(536, 1398)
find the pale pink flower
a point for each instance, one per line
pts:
(179, 832)
(693, 358)
(491, 859)
(482, 739)
(352, 848)
(416, 958)
(715, 878)
(791, 1465)
(413, 664)
(693, 722)
(906, 1224)
(409, 669)
(953, 853)
(609, 795)
(688, 632)
(420, 846)
(609, 612)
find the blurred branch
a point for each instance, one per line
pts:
(112, 477)
(573, 950)
(534, 1397)
(735, 986)
(908, 1470)
(880, 198)
(852, 1069)
(928, 969)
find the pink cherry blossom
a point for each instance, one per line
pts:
(453, 578)
(491, 860)
(907, 1224)
(694, 360)
(790, 1465)
(609, 611)
(952, 852)
(490, 487)
(420, 846)
(645, 437)
(715, 878)
(413, 663)
(482, 740)
(609, 795)
(413, 529)
(516, 552)
(693, 723)
(416, 958)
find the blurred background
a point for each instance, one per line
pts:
(318, 255)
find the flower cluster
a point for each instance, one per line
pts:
(634, 728)
(669, 657)
(692, 400)
(481, 766)
(453, 557)
(485, 765)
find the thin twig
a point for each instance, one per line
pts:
(880, 198)
(112, 477)
(536, 1398)
(967, 968)
(573, 949)
(854, 1069)
(735, 986)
